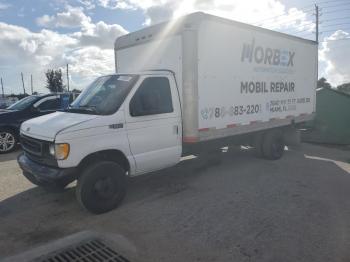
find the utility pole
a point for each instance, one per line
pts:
(24, 90)
(317, 22)
(67, 78)
(2, 88)
(317, 33)
(31, 83)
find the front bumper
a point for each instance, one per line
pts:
(44, 175)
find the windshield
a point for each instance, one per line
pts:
(23, 103)
(105, 95)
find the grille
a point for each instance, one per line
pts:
(38, 151)
(31, 145)
(93, 250)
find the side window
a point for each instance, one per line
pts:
(153, 97)
(52, 104)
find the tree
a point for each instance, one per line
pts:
(322, 83)
(54, 80)
(344, 88)
(77, 91)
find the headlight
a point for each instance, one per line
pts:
(59, 151)
(52, 149)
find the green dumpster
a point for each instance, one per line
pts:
(332, 122)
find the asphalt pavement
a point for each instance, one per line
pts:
(241, 209)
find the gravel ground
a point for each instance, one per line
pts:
(243, 209)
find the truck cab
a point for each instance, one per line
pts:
(122, 124)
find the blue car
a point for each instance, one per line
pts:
(29, 107)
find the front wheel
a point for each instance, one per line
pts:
(8, 140)
(101, 187)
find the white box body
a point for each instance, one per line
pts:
(232, 78)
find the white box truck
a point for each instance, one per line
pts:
(180, 87)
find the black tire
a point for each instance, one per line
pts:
(101, 187)
(11, 138)
(273, 145)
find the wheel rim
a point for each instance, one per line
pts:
(7, 141)
(105, 188)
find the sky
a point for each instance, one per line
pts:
(36, 35)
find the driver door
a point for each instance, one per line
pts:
(153, 121)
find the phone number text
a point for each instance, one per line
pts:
(221, 112)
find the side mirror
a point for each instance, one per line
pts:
(133, 110)
(34, 109)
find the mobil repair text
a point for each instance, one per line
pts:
(262, 87)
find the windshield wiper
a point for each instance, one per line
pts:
(83, 109)
(89, 108)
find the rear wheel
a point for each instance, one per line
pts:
(8, 140)
(101, 187)
(273, 145)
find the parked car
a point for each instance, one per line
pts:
(29, 107)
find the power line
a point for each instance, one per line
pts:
(295, 26)
(334, 30)
(339, 24)
(324, 2)
(336, 5)
(308, 34)
(296, 30)
(336, 19)
(332, 1)
(311, 23)
(334, 11)
(335, 40)
(282, 21)
(308, 30)
(340, 39)
(301, 27)
(285, 21)
(327, 25)
(339, 45)
(307, 9)
(284, 14)
(288, 19)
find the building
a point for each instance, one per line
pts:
(332, 122)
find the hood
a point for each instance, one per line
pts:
(5, 111)
(48, 126)
(7, 116)
(2, 111)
